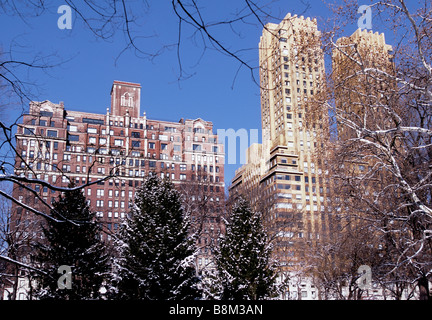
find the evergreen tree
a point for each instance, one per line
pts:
(243, 257)
(156, 252)
(73, 242)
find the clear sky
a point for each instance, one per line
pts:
(215, 92)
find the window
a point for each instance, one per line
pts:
(72, 128)
(136, 144)
(118, 142)
(51, 133)
(126, 100)
(284, 186)
(73, 137)
(29, 131)
(91, 130)
(92, 121)
(163, 137)
(177, 147)
(196, 147)
(151, 145)
(45, 114)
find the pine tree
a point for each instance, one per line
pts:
(74, 242)
(243, 257)
(156, 251)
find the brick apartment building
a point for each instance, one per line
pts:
(58, 146)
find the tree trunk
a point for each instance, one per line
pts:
(15, 284)
(423, 285)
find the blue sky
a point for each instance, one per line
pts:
(215, 92)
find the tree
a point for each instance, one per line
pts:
(156, 252)
(74, 241)
(204, 201)
(15, 237)
(243, 257)
(380, 101)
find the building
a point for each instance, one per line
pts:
(358, 89)
(363, 70)
(110, 154)
(287, 170)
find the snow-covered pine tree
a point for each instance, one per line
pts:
(73, 242)
(156, 252)
(242, 259)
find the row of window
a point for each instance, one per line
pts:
(42, 132)
(135, 134)
(298, 206)
(204, 168)
(43, 123)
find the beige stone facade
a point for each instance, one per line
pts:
(286, 170)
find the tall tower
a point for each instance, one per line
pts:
(359, 90)
(291, 66)
(364, 91)
(291, 70)
(125, 98)
(291, 176)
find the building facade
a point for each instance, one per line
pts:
(110, 154)
(359, 91)
(287, 170)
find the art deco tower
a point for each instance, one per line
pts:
(285, 177)
(363, 79)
